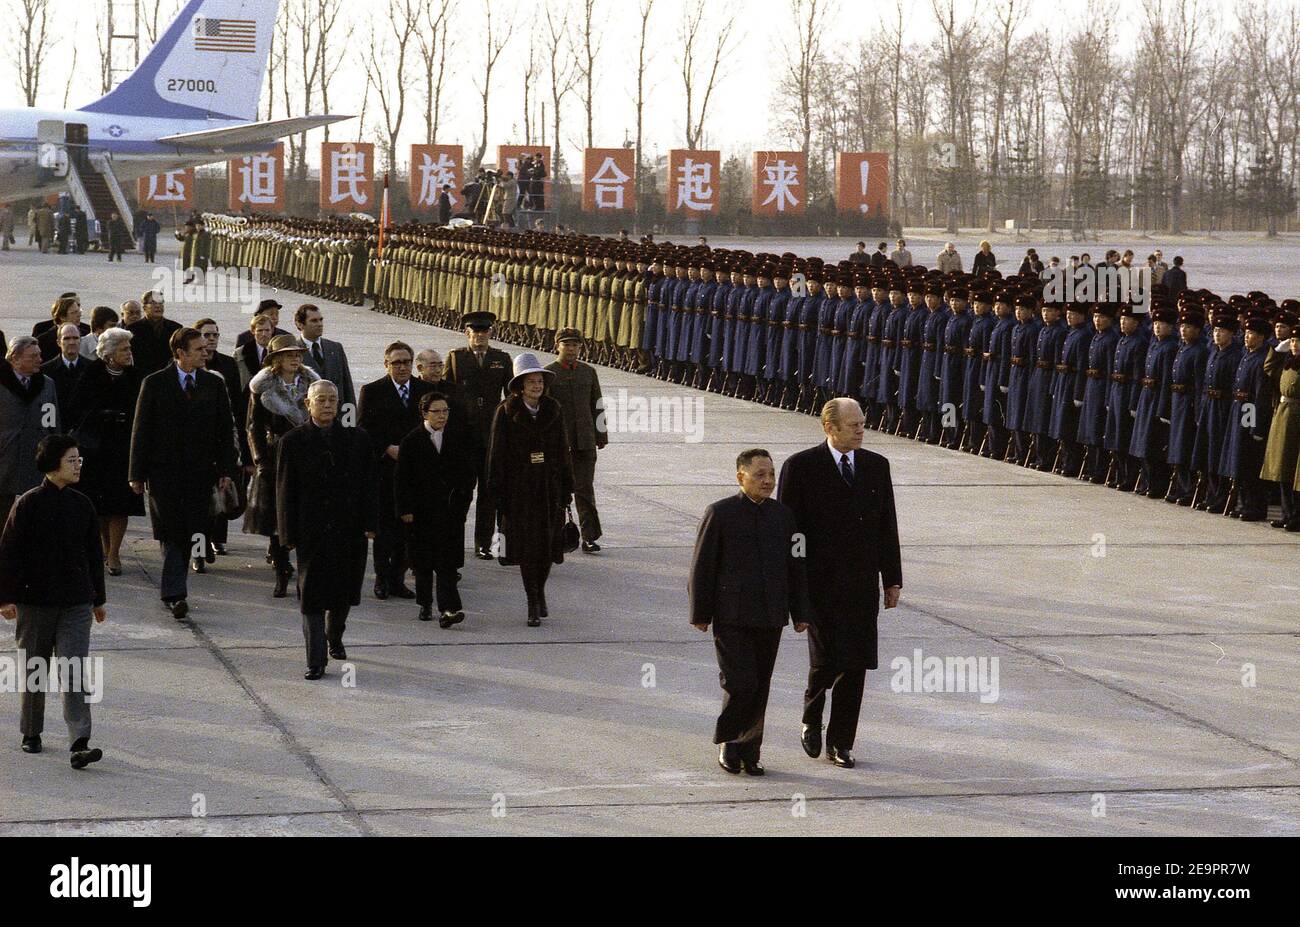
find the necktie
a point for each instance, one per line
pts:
(318, 356)
(24, 381)
(846, 469)
(401, 393)
(189, 385)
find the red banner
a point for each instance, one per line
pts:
(347, 177)
(862, 182)
(694, 182)
(174, 189)
(608, 179)
(256, 182)
(432, 168)
(780, 183)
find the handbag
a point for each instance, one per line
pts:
(571, 535)
(227, 502)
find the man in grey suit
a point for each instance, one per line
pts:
(747, 580)
(577, 388)
(324, 356)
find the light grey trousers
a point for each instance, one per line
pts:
(43, 631)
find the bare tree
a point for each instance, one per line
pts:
(328, 63)
(434, 42)
(1009, 16)
(646, 7)
(695, 64)
(306, 26)
(585, 54)
(531, 68)
(152, 19)
(385, 64)
(284, 61)
(30, 41)
(496, 43)
(562, 78)
(802, 59)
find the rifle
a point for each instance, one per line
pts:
(1232, 498)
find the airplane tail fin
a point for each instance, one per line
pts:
(208, 64)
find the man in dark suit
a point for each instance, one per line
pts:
(325, 508)
(182, 445)
(746, 581)
(480, 373)
(228, 369)
(66, 369)
(388, 410)
(434, 483)
(324, 356)
(271, 309)
(151, 336)
(577, 388)
(843, 502)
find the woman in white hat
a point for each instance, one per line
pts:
(277, 404)
(531, 479)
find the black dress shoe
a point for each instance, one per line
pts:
(381, 590)
(281, 586)
(426, 613)
(83, 758)
(400, 592)
(1252, 516)
(219, 548)
(728, 760)
(590, 547)
(1277, 523)
(841, 758)
(450, 618)
(179, 608)
(484, 554)
(314, 672)
(198, 566)
(338, 652)
(811, 738)
(114, 571)
(752, 767)
(32, 744)
(211, 556)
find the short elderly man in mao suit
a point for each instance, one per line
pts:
(577, 388)
(843, 503)
(747, 579)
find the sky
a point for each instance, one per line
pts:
(740, 118)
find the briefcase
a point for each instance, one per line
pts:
(571, 535)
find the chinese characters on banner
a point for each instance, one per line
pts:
(256, 182)
(347, 173)
(431, 167)
(780, 182)
(862, 183)
(174, 189)
(508, 158)
(694, 182)
(608, 179)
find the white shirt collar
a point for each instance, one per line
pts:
(400, 386)
(838, 454)
(181, 375)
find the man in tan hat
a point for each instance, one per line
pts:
(577, 388)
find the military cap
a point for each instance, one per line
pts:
(1285, 317)
(1164, 314)
(568, 334)
(478, 321)
(1192, 317)
(1226, 320)
(1025, 301)
(982, 296)
(267, 304)
(1259, 324)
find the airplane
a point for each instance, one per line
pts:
(192, 100)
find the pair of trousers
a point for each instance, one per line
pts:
(829, 674)
(584, 494)
(746, 657)
(322, 630)
(485, 510)
(390, 541)
(176, 560)
(42, 631)
(443, 583)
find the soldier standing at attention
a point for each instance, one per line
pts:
(481, 373)
(576, 387)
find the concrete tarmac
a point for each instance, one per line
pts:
(1146, 655)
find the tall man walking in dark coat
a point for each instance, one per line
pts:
(843, 501)
(389, 408)
(480, 373)
(577, 388)
(434, 484)
(182, 445)
(325, 507)
(747, 579)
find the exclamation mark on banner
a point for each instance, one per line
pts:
(864, 170)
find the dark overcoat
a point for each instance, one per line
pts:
(325, 504)
(435, 486)
(100, 414)
(1188, 384)
(530, 476)
(180, 447)
(851, 538)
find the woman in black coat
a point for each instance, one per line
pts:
(531, 478)
(984, 259)
(277, 404)
(101, 409)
